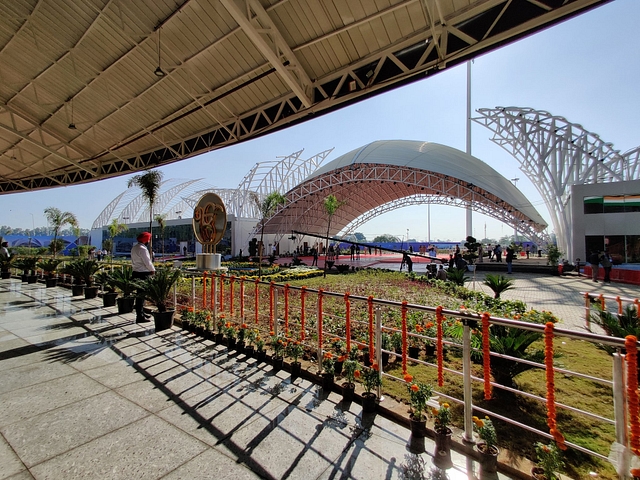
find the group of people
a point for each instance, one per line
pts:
(600, 258)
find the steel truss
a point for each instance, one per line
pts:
(182, 195)
(556, 154)
(371, 189)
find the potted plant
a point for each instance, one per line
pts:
(371, 379)
(431, 331)
(250, 338)
(157, 289)
(278, 345)
(49, 267)
(220, 323)
(230, 334)
(187, 318)
(86, 270)
(123, 280)
(441, 422)
(5, 267)
(349, 368)
(487, 447)
(385, 342)
(109, 295)
(472, 245)
(295, 351)
(328, 371)
(260, 353)
(340, 349)
(549, 462)
(242, 333)
(28, 265)
(419, 395)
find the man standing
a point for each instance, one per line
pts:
(142, 268)
(509, 259)
(4, 252)
(605, 261)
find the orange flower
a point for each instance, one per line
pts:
(342, 358)
(408, 378)
(429, 325)
(228, 324)
(272, 333)
(419, 328)
(415, 388)
(244, 325)
(328, 355)
(376, 367)
(356, 374)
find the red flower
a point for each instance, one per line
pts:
(356, 374)
(408, 378)
(414, 388)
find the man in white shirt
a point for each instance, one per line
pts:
(142, 268)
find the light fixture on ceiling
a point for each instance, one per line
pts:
(72, 126)
(158, 71)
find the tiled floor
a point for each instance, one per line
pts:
(85, 393)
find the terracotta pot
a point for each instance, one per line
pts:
(327, 381)
(369, 402)
(488, 458)
(163, 320)
(418, 427)
(348, 392)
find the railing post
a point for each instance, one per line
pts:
(379, 346)
(620, 413)
(587, 309)
(319, 330)
(466, 375)
(214, 304)
(275, 310)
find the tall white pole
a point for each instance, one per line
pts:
(469, 210)
(429, 223)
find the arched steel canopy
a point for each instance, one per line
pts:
(394, 173)
(80, 99)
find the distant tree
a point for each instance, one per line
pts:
(57, 219)
(114, 228)
(149, 183)
(267, 207)
(55, 246)
(386, 238)
(331, 204)
(360, 237)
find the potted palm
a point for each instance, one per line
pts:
(157, 289)
(123, 280)
(49, 266)
(28, 265)
(5, 267)
(109, 296)
(86, 270)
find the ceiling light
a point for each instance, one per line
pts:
(159, 72)
(72, 126)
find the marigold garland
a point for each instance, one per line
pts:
(272, 287)
(320, 315)
(204, 289)
(256, 298)
(231, 280)
(486, 356)
(630, 343)
(347, 320)
(212, 296)
(222, 292)
(303, 291)
(404, 337)
(286, 309)
(602, 305)
(439, 346)
(242, 279)
(371, 352)
(551, 389)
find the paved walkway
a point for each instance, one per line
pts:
(85, 393)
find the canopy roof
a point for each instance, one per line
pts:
(95, 89)
(389, 174)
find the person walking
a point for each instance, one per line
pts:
(594, 260)
(314, 252)
(509, 259)
(142, 268)
(605, 261)
(498, 253)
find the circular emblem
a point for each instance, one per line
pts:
(209, 219)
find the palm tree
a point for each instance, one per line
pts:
(160, 219)
(267, 208)
(149, 183)
(498, 283)
(114, 228)
(57, 219)
(331, 205)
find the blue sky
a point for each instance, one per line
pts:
(586, 69)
